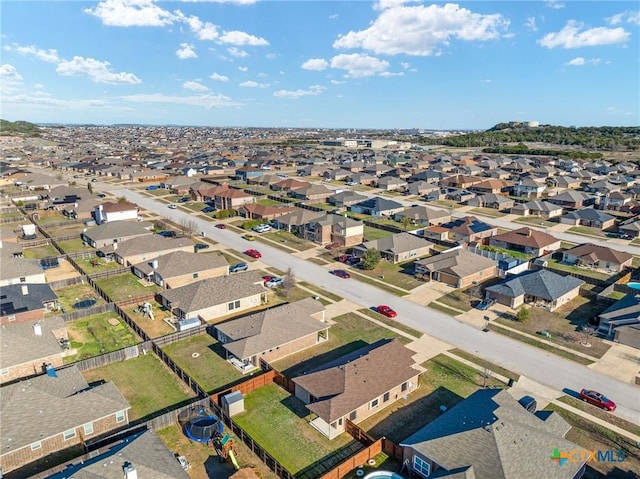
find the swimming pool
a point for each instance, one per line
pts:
(633, 285)
(383, 475)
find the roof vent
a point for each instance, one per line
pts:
(129, 471)
(37, 329)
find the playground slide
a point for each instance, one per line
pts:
(232, 455)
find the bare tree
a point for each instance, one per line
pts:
(289, 282)
(189, 227)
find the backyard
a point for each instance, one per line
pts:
(568, 268)
(96, 265)
(209, 368)
(69, 296)
(40, 252)
(371, 233)
(146, 383)
(99, 334)
(125, 286)
(156, 327)
(278, 421)
(66, 230)
(74, 246)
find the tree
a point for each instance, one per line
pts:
(188, 226)
(406, 221)
(289, 282)
(522, 314)
(122, 200)
(90, 187)
(371, 258)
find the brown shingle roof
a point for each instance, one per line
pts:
(601, 253)
(526, 237)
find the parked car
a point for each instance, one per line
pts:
(485, 304)
(101, 195)
(152, 187)
(386, 311)
(267, 278)
(340, 273)
(249, 237)
(199, 246)
(352, 183)
(261, 228)
(208, 209)
(254, 253)
(221, 226)
(172, 206)
(94, 180)
(597, 399)
(348, 259)
(238, 267)
(184, 199)
(168, 234)
(274, 282)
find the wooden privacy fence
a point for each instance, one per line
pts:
(358, 433)
(63, 283)
(85, 313)
(359, 458)
(180, 335)
(137, 300)
(247, 386)
(110, 273)
(112, 357)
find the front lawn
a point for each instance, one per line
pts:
(350, 332)
(457, 299)
(399, 275)
(277, 421)
(70, 295)
(587, 231)
(371, 234)
(535, 221)
(145, 382)
(209, 369)
(491, 212)
(125, 286)
(286, 238)
(99, 334)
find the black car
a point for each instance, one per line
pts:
(199, 246)
(168, 234)
(184, 199)
(208, 209)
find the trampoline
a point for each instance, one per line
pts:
(200, 424)
(85, 303)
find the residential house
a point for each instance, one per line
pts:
(353, 388)
(420, 188)
(491, 200)
(598, 257)
(142, 453)
(459, 195)
(377, 169)
(296, 221)
(492, 186)
(397, 248)
(255, 211)
(542, 287)
(336, 229)
(311, 170)
(489, 435)
(469, 229)
(288, 184)
(363, 179)
(206, 192)
(460, 181)
(526, 240)
(377, 206)
(601, 187)
(246, 172)
(108, 211)
(231, 199)
(345, 198)
(572, 199)
(337, 174)
(38, 181)
(318, 193)
(529, 187)
(179, 268)
(114, 232)
(259, 339)
(29, 347)
(457, 267)
(266, 179)
(144, 248)
(424, 215)
(631, 227)
(52, 413)
(213, 298)
(390, 183)
(26, 302)
(17, 270)
(589, 217)
(543, 209)
(615, 201)
(437, 233)
(621, 321)
(566, 182)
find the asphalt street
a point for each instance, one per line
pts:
(546, 368)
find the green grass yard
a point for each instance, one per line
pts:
(40, 252)
(399, 275)
(70, 295)
(125, 286)
(371, 233)
(96, 265)
(74, 246)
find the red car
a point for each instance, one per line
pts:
(267, 278)
(221, 226)
(254, 253)
(597, 399)
(340, 273)
(386, 311)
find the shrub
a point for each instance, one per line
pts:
(370, 259)
(522, 314)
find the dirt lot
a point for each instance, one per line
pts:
(64, 271)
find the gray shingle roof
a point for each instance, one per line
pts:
(542, 284)
(379, 204)
(148, 244)
(13, 267)
(397, 243)
(19, 344)
(600, 253)
(458, 262)
(494, 434)
(589, 214)
(213, 291)
(271, 328)
(23, 297)
(116, 229)
(41, 407)
(179, 263)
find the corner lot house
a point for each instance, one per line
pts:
(262, 338)
(598, 257)
(109, 211)
(215, 297)
(541, 287)
(526, 240)
(621, 321)
(26, 302)
(47, 414)
(397, 248)
(490, 435)
(179, 268)
(145, 248)
(114, 232)
(335, 229)
(353, 388)
(458, 267)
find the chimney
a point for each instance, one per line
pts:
(154, 264)
(25, 290)
(115, 245)
(37, 329)
(529, 232)
(129, 471)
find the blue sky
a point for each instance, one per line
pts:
(342, 64)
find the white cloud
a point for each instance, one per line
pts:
(243, 69)
(49, 56)
(295, 94)
(194, 86)
(253, 84)
(238, 2)
(236, 52)
(241, 38)
(571, 37)
(317, 64)
(392, 74)
(185, 51)
(335, 16)
(421, 30)
(555, 4)
(131, 13)
(359, 65)
(207, 101)
(530, 24)
(579, 61)
(202, 30)
(96, 70)
(338, 82)
(9, 74)
(628, 16)
(218, 77)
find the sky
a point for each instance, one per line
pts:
(321, 64)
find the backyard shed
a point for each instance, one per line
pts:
(233, 403)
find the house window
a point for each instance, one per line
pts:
(70, 434)
(36, 445)
(353, 415)
(88, 428)
(120, 416)
(340, 422)
(195, 275)
(403, 388)
(385, 398)
(233, 305)
(420, 466)
(374, 403)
